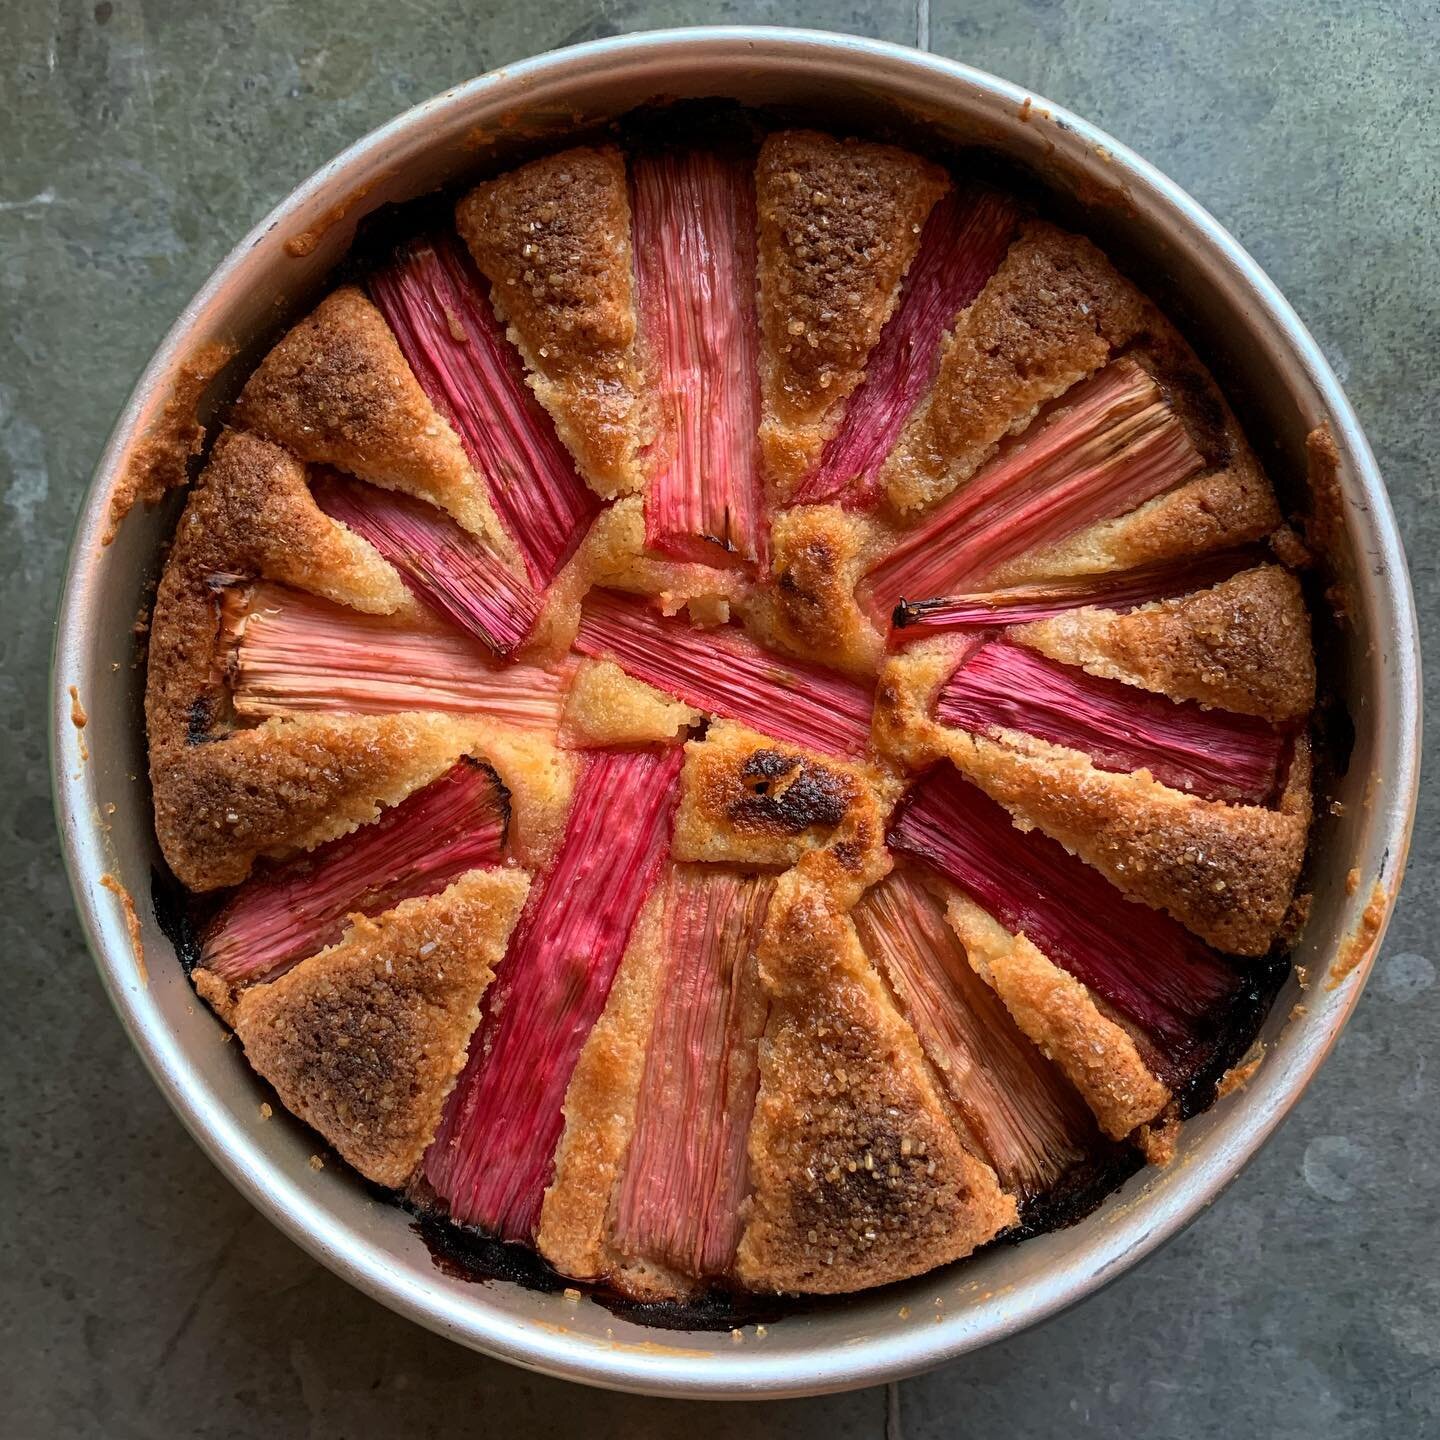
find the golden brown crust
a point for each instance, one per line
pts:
(161, 461)
(1227, 872)
(289, 785)
(337, 391)
(250, 515)
(839, 224)
(365, 1040)
(818, 554)
(1242, 645)
(553, 237)
(859, 1177)
(1051, 314)
(600, 1106)
(1060, 1016)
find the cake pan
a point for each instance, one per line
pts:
(1282, 388)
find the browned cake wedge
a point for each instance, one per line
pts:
(1063, 1019)
(839, 224)
(553, 238)
(859, 1176)
(1052, 314)
(1227, 872)
(337, 391)
(365, 1040)
(1242, 645)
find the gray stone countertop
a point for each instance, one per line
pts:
(139, 1294)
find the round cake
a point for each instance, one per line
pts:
(735, 712)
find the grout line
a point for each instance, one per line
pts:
(892, 1389)
(922, 24)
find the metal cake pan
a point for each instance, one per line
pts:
(1273, 372)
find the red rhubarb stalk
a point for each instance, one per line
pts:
(295, 908)
(963, 242)
(1020, 604)
(1217, 754)
(298, 654)
(1148, 967)
(438, 305)
(694, 219)
(446, 568)
(728, 674)
(1113, 445)
(686, 1175)
(493, 1154)
(1027, 1121)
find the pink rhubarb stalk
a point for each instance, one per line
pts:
(300, 655)
(687, 1172)
(963, 242)
(1146, 966)
(438, 305)
(493, 1155)
(694, 220)
(446, 568)
(1119, 590)
(1111, 446)
(1023, 1116)
(1217, 754)
(728, 674)
(295, 908)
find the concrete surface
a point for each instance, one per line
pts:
(141, 1296)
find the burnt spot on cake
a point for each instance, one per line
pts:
(788, 794)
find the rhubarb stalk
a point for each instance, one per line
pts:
(1026, 1120)
(1111, 446)
(728, 674)
(963, 242)
(686, 1174)
(438, 305)
(694, 219)
(297, 654)
(1146, 966)
(295, 908)
(493, 1154)
(1217, 754)
(1120, 591)
(447, 569)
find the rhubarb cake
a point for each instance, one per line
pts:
(735, 712)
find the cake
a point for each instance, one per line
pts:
(736, 714)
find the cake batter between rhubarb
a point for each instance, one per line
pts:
(734, 715)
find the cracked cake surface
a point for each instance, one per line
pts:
(737, 713)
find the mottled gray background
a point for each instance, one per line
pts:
(139, 1295)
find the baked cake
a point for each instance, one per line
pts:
(738, 716)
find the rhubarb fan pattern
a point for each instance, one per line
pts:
(739, 718)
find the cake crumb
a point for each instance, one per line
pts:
(78, 718)
(132, 922)
(316, 1163)
(1238, 1076)
(265, 1111)
(1359, 947)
